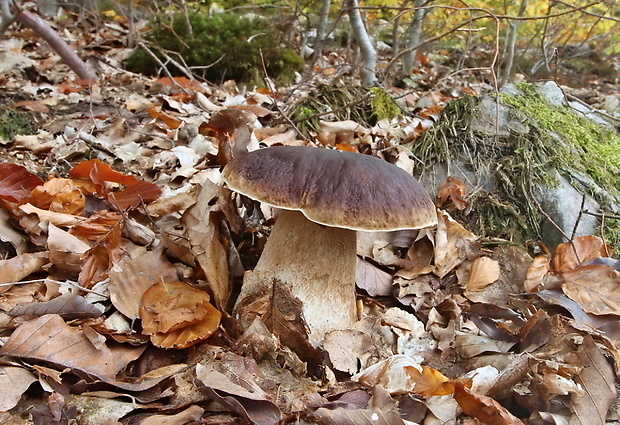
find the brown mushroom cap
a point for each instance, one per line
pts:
(338, 189)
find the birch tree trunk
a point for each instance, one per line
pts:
(413, 36)
(321, 30)
(367, 50)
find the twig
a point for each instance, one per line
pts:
(583, 202)
(274, 102)
(599, 215)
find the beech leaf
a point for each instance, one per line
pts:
(16, 182)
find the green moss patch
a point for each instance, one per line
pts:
(220, 47)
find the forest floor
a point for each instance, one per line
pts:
(124, 252)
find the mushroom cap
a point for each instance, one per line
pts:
(333, 188)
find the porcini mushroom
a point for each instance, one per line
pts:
(325, 196)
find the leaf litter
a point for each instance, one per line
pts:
(124, 251)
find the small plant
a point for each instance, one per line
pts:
(221, 47)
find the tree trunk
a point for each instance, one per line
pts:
(321, 30)
(367, 50)
(413, 36)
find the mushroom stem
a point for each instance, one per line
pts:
(317, 263)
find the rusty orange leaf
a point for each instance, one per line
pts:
(16, 182)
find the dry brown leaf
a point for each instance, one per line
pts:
(68, 306)
(58, 195)
(14, 382)
(48, 338)
(202, 227)
(103, 230)
(133, 275)
(176, 315)
(483, 408)
(56, 218)
(451, 193)
(483, 272)
(570, 255)
(348, 349)
(597, 379)
(536, 273)
(21, 266)
(16, 182)
(390, 373)
(595, 288)
(430, 382)
(372, 279)
(65, 250)
(452, 242)
(190, 415)
(252, 405)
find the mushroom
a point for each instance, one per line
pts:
(325, 196)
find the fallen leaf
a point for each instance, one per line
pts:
(58, 195)
(372, 279)
(483, 408)
(595, 288)
(430, 382)
(16, 182)
(17, 268)
(536, 273)
(176, 315)
(254, 406)
(14, 382)
(597, 379)
(190, 415)
(483, 272)
(48, 338)
(68, 306)
(133, 275)
(451, 193)
(452, 242)
(202, 226)
(570, 255)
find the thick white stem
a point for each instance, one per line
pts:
(317, 263)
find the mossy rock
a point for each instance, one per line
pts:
(220, 47)
(511, 155)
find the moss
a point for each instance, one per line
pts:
(382, 104)
(13, 122)
(220, 47)
(582, 144)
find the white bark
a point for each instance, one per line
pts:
(321, 30)
(413, 36)
(367, 50)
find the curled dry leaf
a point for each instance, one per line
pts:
(21, 266)
(483, 272)
(595, 288)
(68, 306)
(570, 255)
(252, 405)
(483, 408)
(430, 382)
(14, 382)
(136, 192)
(451, 193)
(536, 273)
(176, 315)
(16, 182)
(56, 218)
(58, 195)
(452, 242)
